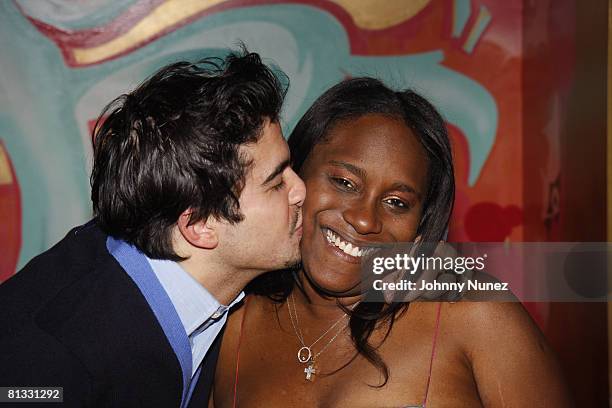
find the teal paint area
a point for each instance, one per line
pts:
(483, 20)
(461, 14)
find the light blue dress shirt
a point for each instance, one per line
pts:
(202, 315)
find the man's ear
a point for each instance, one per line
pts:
(201, 234)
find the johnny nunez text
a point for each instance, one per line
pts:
(404, 284)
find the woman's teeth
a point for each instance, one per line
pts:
(346, 247)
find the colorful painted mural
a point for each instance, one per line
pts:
(502, 72)
(62, 61)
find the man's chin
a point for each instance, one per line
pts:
(294, 264)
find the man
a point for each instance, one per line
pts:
(193, 197)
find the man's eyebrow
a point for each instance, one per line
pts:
(278, 170)
(358, 171)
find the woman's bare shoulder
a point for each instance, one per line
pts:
(504, 345)
(493, 319)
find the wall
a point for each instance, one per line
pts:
(63, 61)
(518, 81)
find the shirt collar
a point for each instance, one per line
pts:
(193, 303)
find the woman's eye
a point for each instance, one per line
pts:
(343, 183)
(397, 203)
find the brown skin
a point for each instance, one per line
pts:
(488, 354)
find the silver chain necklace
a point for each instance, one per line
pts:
(304, 354)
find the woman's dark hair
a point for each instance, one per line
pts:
(351, 99)
(173, 144)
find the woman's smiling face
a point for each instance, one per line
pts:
(365, 185)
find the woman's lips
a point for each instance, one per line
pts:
(343, 249)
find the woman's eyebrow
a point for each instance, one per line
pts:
(405, 188)
(358, 171)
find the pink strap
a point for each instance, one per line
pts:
(246, 301)
(433, 353)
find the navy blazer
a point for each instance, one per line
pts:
(72, 317)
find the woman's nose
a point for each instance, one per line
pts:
(363, 217)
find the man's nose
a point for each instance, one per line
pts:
(297, 192)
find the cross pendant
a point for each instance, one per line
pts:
(310, 371)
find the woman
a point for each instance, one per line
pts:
(378, 169)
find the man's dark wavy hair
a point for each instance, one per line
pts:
(173, 144)
(348, 100)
